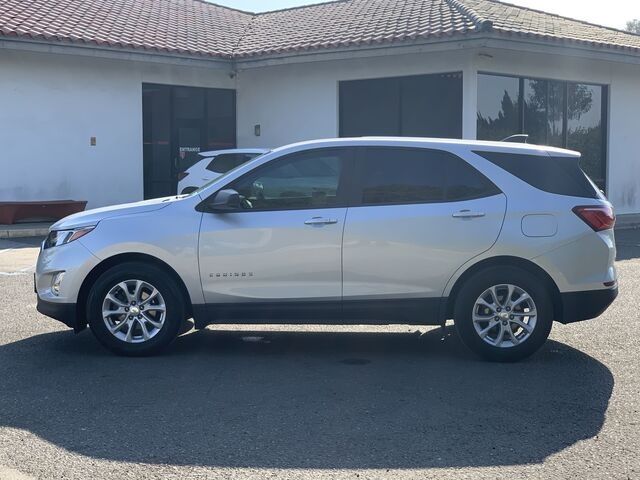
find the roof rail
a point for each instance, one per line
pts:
(518, 138)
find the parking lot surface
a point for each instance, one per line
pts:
(317, 402)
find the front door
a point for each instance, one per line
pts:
(282, 252)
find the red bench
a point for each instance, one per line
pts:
(10, 212)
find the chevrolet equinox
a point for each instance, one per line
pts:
(502, 238)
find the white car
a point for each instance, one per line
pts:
(214, 164)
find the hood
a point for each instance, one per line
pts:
(92, 217)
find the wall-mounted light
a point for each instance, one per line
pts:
(92, 141)
(257, 130)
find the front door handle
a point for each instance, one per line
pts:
(468, 214)
(321, 221)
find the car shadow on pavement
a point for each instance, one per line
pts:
(303, 400)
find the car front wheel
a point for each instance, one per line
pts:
(135, 309)
(504, 314)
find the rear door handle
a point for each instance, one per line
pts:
(468, 214)
(321, 221)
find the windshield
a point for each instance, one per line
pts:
(224, 175)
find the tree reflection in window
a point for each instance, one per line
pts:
(561, 114)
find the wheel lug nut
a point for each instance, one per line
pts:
(499, 309)
(130, 317)
(511, 317)
(133, 303)
(496, 318)
(139, 317)
(126, 309)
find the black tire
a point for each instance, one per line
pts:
(474, 288)
(158, 278)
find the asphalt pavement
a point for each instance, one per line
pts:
(316, 402)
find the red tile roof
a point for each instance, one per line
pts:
(196, 27)
(177, 26)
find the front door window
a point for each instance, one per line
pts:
(308, 180)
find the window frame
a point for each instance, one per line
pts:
(358, 184)
(604, 112)
(343, 193)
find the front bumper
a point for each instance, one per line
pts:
(63, 312)
(579, 306)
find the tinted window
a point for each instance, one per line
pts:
(465, 182)
(306, 180)
(498, 107)
(586, 128)
(419, 105)
(404, 176)
(228, 161)
(559, 175)
(563, 114)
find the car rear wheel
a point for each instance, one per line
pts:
(504, 313)
(135, 309)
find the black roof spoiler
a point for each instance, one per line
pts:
(518, 138)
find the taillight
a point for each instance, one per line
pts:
(598, 217)
(182, 175)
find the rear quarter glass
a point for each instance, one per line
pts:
(558, 175)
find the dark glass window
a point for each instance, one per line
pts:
(464, 182)
(393, 175)
(498, 107)
(228, 161)
(370, 107)
(544, 112)
(299, 181)
(420, 105)
(559, 175)
(562, 114)
(585, 128)
(221, 119)
(405, 176)
(178, 123)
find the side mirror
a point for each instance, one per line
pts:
(225, 201)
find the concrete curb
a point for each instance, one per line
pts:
(24, 230)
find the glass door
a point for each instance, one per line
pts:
(178, 124)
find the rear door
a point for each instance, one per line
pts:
(420, 215)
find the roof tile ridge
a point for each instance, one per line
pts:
(481, 24)
(242, 36)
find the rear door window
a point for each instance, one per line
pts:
(391, 176)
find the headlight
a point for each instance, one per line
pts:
(62, 237)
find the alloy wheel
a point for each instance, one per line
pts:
(134, 311)
(504, 316)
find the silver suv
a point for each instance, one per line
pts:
(502, 238)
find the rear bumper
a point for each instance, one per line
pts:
(63, 312)
(578, 306)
